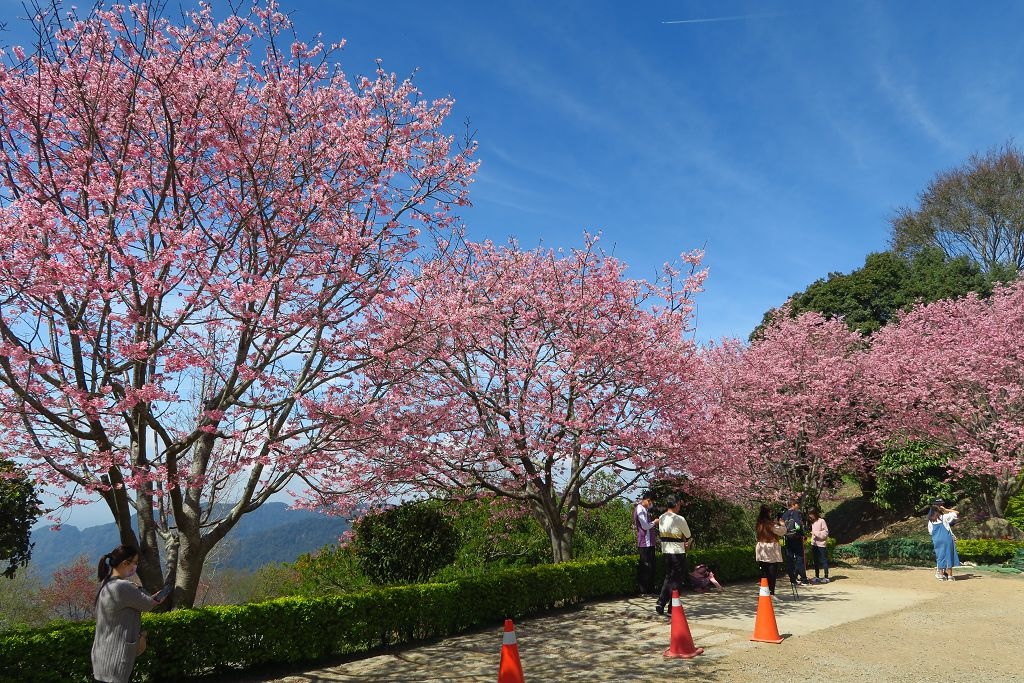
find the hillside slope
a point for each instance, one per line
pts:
(851, 516)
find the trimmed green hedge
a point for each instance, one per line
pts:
(919, 551)
(212, 640)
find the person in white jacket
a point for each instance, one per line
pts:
(940, 521)
(674, 533)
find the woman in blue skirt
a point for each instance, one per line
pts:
(939, 520)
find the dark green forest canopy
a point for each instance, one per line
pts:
(870, 296)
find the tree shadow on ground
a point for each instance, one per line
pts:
(734, 610)
(594, 650)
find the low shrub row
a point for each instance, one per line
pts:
(919, 552)
(213, 640)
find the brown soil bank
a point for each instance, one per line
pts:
(867, 625)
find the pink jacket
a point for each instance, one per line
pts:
(819, 532)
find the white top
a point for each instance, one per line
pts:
(944, 520)
(673, 530)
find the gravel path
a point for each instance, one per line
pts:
(869, 624)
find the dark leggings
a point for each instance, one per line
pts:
(675, 576)
(769, 571)
(820, 560)
(645, 570)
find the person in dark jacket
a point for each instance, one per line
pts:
(793, 547)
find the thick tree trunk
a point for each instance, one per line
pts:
(561, 532)
(561, 543)
(999, 491)
(117, 501)
(189, 570)
(150, 571)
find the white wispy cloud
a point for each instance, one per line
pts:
(708, 20)
(903, 95)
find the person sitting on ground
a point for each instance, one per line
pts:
(703, 578)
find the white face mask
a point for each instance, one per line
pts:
(130, 572)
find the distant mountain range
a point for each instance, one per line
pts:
(272, 533)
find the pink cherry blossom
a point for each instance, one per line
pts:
(953, 372)
(534, 372)
(199, 226)
(790, 413)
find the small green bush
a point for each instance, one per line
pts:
(216, 640)
(910, 475)
(405, 544)
(606, 531)
(495, 533)
(1018, 560)
(328, 571)
(987, 551)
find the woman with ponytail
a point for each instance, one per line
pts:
(119, 607)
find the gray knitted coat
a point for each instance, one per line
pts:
(119, 609)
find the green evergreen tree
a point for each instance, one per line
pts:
(19, 510)
(869, 297)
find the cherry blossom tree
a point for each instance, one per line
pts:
(790, 409)
(952, 372)
(198, 223)
(71, 593)
(535, 372)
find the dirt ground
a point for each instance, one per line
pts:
(868, 624)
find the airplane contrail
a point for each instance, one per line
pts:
(710, 19)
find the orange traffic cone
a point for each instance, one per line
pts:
(510, 670)
(681, 642)
(765, 628)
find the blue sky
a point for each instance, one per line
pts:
(779, 136)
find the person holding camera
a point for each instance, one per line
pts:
(793, 548)
(940, 521)
(119, 606)
(767, 553)
(646, 537)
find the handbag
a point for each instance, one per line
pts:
(140, 645)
